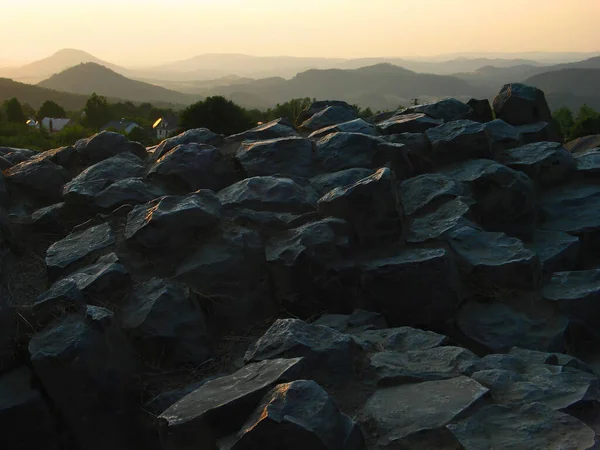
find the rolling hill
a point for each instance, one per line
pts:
(91, 77)
(36, 95)
(569, 87)
(381, 86)
(59, 61)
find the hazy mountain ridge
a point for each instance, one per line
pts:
(87, 78)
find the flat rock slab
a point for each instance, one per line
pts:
(408, 412)
(572, 208)
(194, 136)
(297, 416)
(104, 145)
(546, 163)
(221, 406)
(269, 194)
(577, 293)
(583, 144)
(438, 223)
(278, 128)
(529, 427)
(130, 191)
(329, 181)
(41, 178)
(495, 258)
(588, 163)
(556, 250)
(539, 132)
(353, 126)
(416, 287)
(499, 327)
(439, 363)
(340, 151)
(329, 354)
(402, 339)
(419, 192)
(503, 136)
(330, 115)
(447, 110)
(408, 123)
(458, 141)
(77, 246)
(292, 156)
(358, 322)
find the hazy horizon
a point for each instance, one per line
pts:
(143, 32)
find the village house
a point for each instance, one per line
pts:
(121, 126)
(165, 127)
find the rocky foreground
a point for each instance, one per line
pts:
(429, 280)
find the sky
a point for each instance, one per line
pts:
(137, 32)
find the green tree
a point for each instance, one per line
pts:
(14, 111)
(218, 115)
(586, 123)
(564, 119)
(97, 111)
(51, 109)
(290, 109)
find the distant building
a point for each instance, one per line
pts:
(165, 126)
(33, 123)
(54, 125)
(121, 126)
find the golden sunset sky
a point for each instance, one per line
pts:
(146, 31)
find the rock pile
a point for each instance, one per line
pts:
(426, 281)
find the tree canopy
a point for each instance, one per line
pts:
(14, 111)
(217, 114)
(51, 109)
(97, 111)
(584, 123)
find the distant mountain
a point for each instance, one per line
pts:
(36, 95)
(569, 87)
(381, 86)
(58, 62)
(91, 77)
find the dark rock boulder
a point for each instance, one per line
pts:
(8, 331)
(425, 279)
(539, 132)
(269, 194)
(168, 222)
(76, 247)
(420, 152)
(221, 406)
(505, 198)
(129, 191)
(588, 163)
(519, 104)
(329, 181)
(275, 129)
(331, 115)
(408, 123)
(371, 206)
(439, 363)
(583, 144)
(84, 187)
(577, 293)
(25, 419)
(63, 156)
(439, 222)
(555, 359)
(529, 427)
(201, 136)
(297, 416)
(500, 326)
(495, 258)
(546, 163)
(286, 156)
(402, 339)
(64, 294)
(164, 400)
(556, 250)
(419, 192)
(354, 126)
(50, 218)
(87, 367)
(294, 257)
(167, 317)
(228, 267)
(320, 105)
(447, 110)
(339, 151)
(357, 322)
(329, 355)
(105, 145)
(105, 276)
(572, 209)
(416, 415)
(482, 111)
(40, 178)
(458, 141)
(503, 136)
(190, 167)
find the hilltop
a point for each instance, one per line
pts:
(87, 78)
